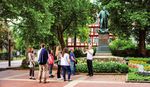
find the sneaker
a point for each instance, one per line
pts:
(33, 78)
(69, 80)
(30, 78)
(91, 75)
(44, 82)
(51, 76)
(40, 81)
(59, 78)
(88, 75)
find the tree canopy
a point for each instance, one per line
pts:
(48, 21)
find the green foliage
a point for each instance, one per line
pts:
(71, 16)
(31, 21)
(3, 35)
(141, 17)
(81, 67)
(25, 65)
(78, 53)
(4, 56)
(102, 67)
(139, 59)
(83, 34)
(148, 47)
(119, 44)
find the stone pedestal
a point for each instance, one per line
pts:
(103, 44)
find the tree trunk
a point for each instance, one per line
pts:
(60, 36)
(61, 40)
(141, 44)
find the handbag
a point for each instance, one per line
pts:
(76, 61)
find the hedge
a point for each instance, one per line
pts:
(103, 67)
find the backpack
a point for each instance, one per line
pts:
(50, 59)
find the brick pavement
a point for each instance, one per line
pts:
(19, 78)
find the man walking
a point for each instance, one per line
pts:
(42, 60)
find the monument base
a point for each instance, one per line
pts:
(103, 54)
(103, 45)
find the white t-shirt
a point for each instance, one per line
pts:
(90, 54)
(64, 60)
(39, 51)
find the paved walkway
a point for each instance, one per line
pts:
(19, 78)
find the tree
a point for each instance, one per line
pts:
(69, 15)
(34, 19)
(3, 35)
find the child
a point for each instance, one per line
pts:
(50, 63)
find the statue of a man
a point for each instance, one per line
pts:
(103, 16)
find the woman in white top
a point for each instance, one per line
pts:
(65, 63)
(58, 54)
(31, 63)
(89, 53)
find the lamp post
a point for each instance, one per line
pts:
(9, 50)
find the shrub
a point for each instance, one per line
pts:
(147, 68)
(120, 47)
(24, 64)
(139, 59)
(103, 67)
(119, 44)
(4, 56)
(137, 62)
(79, 53)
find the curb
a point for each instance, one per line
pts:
(10, 68)
(103, 73)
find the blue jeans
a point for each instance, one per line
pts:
(50, 69)
(72, 66)
(64, 70)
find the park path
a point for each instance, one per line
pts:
(19, 78)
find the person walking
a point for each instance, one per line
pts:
(65, 63)
(58, 54)
(72, 61)
(89, 53)
(50, 63)
(31, 58)
(42, 60)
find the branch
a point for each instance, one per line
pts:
(70, 19)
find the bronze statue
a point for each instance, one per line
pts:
(103, 16)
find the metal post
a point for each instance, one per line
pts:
(9, 49)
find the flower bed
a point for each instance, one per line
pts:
(134, 73)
